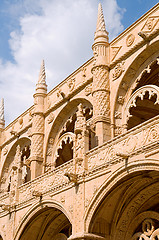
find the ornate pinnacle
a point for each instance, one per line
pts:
(42, 75)
(2, 122)
(101, 34)
(2, 110)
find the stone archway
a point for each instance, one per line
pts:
(142, 71)
(64, 124)
(46, 221)
(16, 159)
(128, 194)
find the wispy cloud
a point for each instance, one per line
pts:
(61, 33)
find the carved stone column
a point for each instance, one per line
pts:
(16, 176)
(101, 85)
(38, 122)
(81, 145)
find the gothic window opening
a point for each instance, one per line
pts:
(65, 152)
(145, 108)
(146, 105)
(26, 173)
(70, 123)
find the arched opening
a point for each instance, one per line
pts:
(65, 153)
(64, 124)
(122, 212)
(47, 224)
(145, 106)
(143, 110)
(144, 70)
(16, 162)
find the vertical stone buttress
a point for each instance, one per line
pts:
(101, 85)
(37, 140)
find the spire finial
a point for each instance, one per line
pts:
(42, 75)
(2, 121)
(2, 109)
(101, 34)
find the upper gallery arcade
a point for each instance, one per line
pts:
(97, 129)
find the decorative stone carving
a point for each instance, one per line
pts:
(115, 51)
(118, 130)
(62, 199)
(140, 93)
(71, 84)
(48, 103)
(84, 72)
(117, 114)
(130, 40)
(148, 69)
(118, 70)
(150, 24)
(88, 89)
(60, 94)
(121, 100)
(20, 121)
(101, 105)
(51, 117)
(148, 231)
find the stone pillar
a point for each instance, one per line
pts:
(38, 123)
(101, 85)
(81, 145)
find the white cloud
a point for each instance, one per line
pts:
(61, 33)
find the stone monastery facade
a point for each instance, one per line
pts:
(83, 161)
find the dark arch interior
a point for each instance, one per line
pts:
(145, 109)
(46, 224)
(65, 154)
(135, 190)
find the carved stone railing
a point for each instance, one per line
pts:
(50, 181)
(125, 145)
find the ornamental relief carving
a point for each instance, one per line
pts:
(115, 51)
(140, 93)
(71, 84)
(130, 40)
(118, 70)
(88, 89)
(150, 24)
(111, 155)
(148, 231)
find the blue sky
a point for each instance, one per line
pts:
(60, 32)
